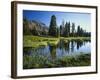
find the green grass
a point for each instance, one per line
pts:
(79, 60)
(36, 41)
(76, 39)
(37, 61)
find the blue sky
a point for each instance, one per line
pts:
(82, 19)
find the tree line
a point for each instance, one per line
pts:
(66, 30)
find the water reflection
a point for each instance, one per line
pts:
(61, 49)
(72, 46)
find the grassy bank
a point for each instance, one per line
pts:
(38, 61)
(35, 41)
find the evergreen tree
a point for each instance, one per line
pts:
(73, 29)
(78, 30)
(67, 29)
(58, 32)
(66, 32)
(52, 27)
(81, 32)
(62, 26)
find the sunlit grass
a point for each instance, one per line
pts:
(36, 41)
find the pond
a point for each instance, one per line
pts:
(61, 49)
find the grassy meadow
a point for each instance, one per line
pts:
(36, 41)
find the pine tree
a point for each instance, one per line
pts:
(69, 29)
(73, 29)
(58, 32)
(78, 30)
(66, 30)
(52, 27)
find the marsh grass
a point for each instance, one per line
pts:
(36, 41)
(38, 61)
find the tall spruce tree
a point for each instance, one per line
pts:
(66, 30)
(78, 30)
(60, 30)
(53, 26)
(69, 29)
(73, 29)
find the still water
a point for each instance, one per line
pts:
(70, 48)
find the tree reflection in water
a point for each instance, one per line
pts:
(59, 50)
